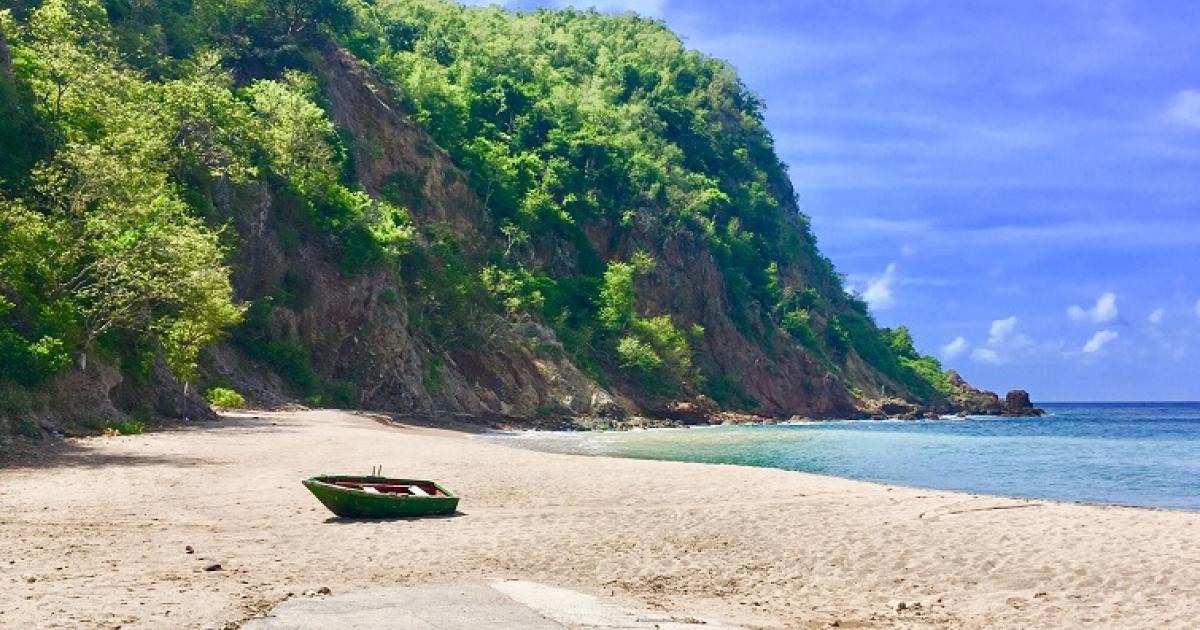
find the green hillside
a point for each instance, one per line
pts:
(608, 159)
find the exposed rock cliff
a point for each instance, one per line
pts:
(365, 328)
(759, 322)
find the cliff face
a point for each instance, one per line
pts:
(735, 320)
(352, 332)
(688, 284)
(366, 328)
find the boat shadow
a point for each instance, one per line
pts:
(342, 520)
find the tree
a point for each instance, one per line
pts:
(295, 132)
(112, 246)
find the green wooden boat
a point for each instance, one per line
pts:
(381, 497)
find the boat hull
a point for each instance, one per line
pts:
(355, 503)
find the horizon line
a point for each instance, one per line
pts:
(1117, 402)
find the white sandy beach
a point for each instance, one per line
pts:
(97, 536)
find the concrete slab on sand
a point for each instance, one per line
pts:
(482, 606)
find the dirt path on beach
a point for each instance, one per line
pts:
(97, 536)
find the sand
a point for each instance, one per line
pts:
(97, 536)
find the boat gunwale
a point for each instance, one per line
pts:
(320, 480)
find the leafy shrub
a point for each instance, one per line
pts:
(223, 398)
(30, 363)
(635, 353)
(797, 324)
(340, 393)
(647, 344)
(837, 337)
(900, 341)
(291, 359)
(668, 342)
(617, 300)
(130, 427)
(930, 370)
(515, 290)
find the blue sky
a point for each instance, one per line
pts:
(1017, 181)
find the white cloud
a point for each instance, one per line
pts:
(1197, 308)
(1103, 312)
(1157, 316)
(879, 290)
(987, 355)
(1184, 108)
(1003, 342)
(1100, 340)
(1002, 330)
(955, 348)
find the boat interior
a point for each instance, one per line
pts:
(392, 487)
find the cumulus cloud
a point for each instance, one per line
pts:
(1184, 108)
(1003, 342)
(987, 355)
(1103, 312)
(879, 290)
(1002, 330)
(955, 348)
(1157, 316)
(1098, 341)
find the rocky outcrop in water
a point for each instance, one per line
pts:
(1017, 404)
(970, 400)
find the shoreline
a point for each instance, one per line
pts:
(97, 536)
(882, 484)
(516, 434)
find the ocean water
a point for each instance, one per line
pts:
(1144, 454)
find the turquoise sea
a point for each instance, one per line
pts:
(1145, 454)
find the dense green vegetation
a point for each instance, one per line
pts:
(108, 232)
(129, 427)
(99, 241)
(654, 346)
(224, 398)
(124, 120)
(569, 118)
